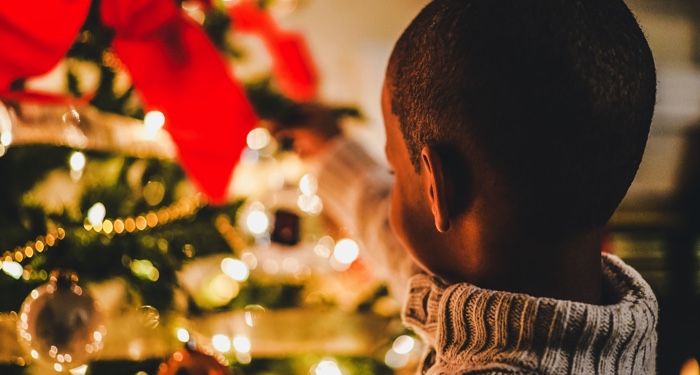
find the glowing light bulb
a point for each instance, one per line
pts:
(346, 251)
(96, 214)
(6, 138)
(221, 343)
(327, 367)
(80, 370)
(241, 344)
(153, 122)
(235, 269)
(258, 139)
(13, 269)
(395, 360)
(257, 222)
(77, 161)
(308, 184)
(404, 344)
(311, 204)
(182, 335)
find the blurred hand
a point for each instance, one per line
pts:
(312, 132)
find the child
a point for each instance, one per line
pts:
(514, 128)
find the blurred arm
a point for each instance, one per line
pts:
(355, 190)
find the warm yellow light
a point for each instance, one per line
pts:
(182, 335)
(311, 204)
(118, 226)
(404, 344)
(690, 367)
(153, 122)
(96, 214)
(80, 370)
(258, 139)
(308, 184)
(221, 343)
(130, 224)
(13, 269)
(346, 251)
(235, 269)
(241, 344)
(151, 219)
(395, 360)
(257, 222)
(107, 226)
(141, 223)
(327, 367)
(77, 161)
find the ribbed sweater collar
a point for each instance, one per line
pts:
(474, 328)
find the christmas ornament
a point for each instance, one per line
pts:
(193, 361)
(286, 230)
(59, 323)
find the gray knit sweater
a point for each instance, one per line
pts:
(470, 330)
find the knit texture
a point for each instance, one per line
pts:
(478, 331)
(471, 330)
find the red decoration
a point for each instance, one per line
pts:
(31, 38)
(179, 72)
(174, 66)
(193, 361)
(292, 66)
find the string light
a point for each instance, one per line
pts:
(30, 249)
(230, 233)
(181, 209)
(96, 214)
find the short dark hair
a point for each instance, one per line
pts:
(554, 96)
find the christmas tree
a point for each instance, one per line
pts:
(100, 203)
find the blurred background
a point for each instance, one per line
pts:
(262, 283)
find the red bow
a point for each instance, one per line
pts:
(174, 66)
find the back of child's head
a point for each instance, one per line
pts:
(554, 98)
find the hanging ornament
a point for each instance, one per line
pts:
(59, 323)
(286, 230)
(193, 361)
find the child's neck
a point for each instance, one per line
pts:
(568, 269)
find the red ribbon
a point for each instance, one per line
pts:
(31, 40)
(292, 66)
(179, 72)
(174, 66)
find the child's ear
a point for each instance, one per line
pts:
(436, 181)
